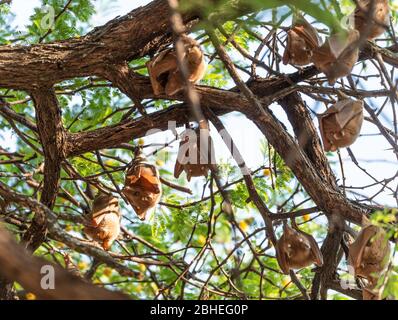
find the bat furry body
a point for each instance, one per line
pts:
(372, 24)
(296, 249)
(191, 158)
(341, 124)
(104, 221)
(142, 186)
(164, 72)
(302, 39)
(337, 56)
(369, 256)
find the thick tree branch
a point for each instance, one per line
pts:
(16, 263)
(330, 247)
(52, 138)
(307, 135)
(134, 35)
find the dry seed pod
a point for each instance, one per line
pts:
(163, 69)
(296, 249)
(373, 24)
(341, 124)
(369, 255)
(195, 154)
(104, 224)
(302, 39)
(142, 186)
(337, 56)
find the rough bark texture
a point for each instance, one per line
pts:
(52, 138)
(17, 264)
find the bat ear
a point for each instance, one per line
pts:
(107, 244)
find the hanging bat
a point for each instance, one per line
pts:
(373, 24)
(337, 56)
(302, 39)
(142, 186)
(369, 254)
(296, 249)
(341, 124)
(195, 154)
(104, 221)
(164, 72)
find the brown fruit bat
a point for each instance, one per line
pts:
(104, 220)
(369, 255)
(341, 124)
(337, 56)
(296, 249)
(142, 186)
(195, 155)
(164, 72)
(373, 24)
(302, 39)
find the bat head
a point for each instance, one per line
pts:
(341, 124)
(141, 200)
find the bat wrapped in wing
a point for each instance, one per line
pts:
(163, 69)
(104, 220)
(341, 124)
(371, 24)
(142, 187)
(195, 154)
(302, 39)
(369, 256)
(338, 55)
(296, 249)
